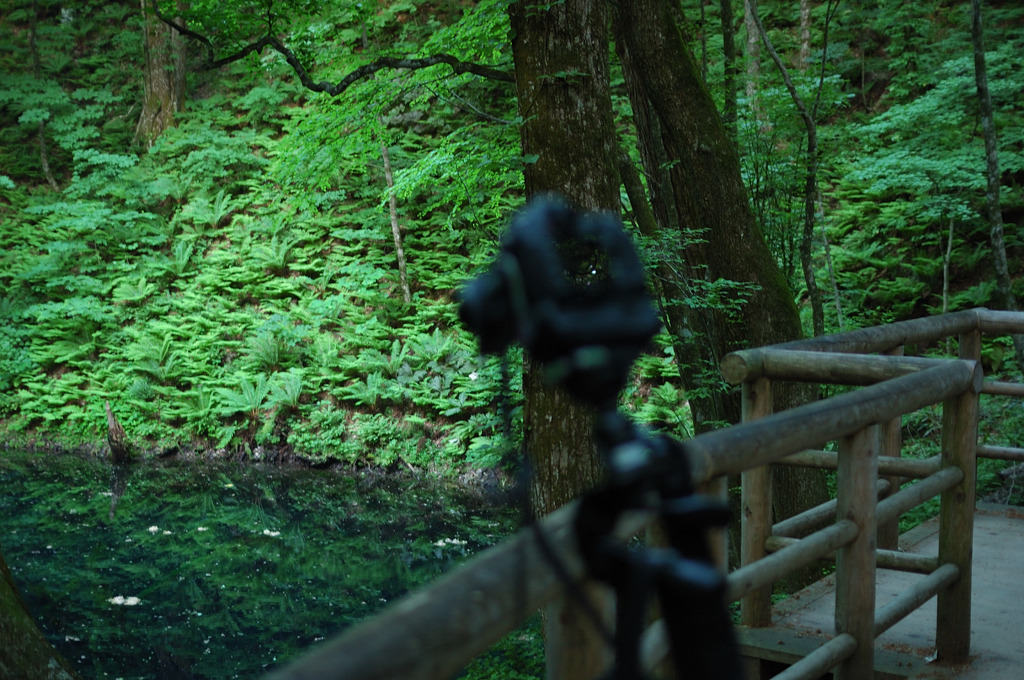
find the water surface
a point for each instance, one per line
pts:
(187, 569)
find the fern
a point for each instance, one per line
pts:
(247, 400)
(287, 392)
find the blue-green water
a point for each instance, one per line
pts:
(210, 570)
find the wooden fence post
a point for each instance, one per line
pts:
(756, 502)
(855, 563)
(891, 443)
(956, 516)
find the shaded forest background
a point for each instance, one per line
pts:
(239, 263)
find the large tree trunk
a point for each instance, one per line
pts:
(562, 84)
(24, 651)
(163, 78)
(1004, 284)
(678, 121)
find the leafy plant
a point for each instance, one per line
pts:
(248, 400)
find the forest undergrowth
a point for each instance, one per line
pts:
(234, 288)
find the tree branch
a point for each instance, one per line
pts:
(458, 66)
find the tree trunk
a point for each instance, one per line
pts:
(753, 55)
(1004, 284)
(810, 176)
(562, 85)
(24, 651)
(163, 78)
(37, 71)
(805, 34)
(396, 231)
(729, 58)
(707, 192)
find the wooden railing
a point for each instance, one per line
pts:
(435, 632)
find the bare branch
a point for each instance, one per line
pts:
(458, 66)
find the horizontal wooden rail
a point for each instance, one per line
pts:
(884, 559)
(915, 596)
(1006, 389)
(921, 331)
(759, 442)
(904, 561)
(914, 494)
(801, 552)
(887, 465)
(881, 338)
(1001, 453)
(834, 368)
(998, 322)
(816, 517)
(822, 660)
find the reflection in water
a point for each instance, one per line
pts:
(118, 483)
(219, 570)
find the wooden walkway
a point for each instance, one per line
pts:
(907, 649)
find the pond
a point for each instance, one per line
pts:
(187, 569)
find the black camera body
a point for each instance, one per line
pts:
(571, 289)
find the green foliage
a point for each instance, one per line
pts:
(235, 284)
(912, 172)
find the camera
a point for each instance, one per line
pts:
(571, 289)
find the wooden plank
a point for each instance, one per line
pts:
(998, 590)
(783, 645)
(855, 563)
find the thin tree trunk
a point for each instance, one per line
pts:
(703, 23)
(1004, 284)
(729, 58)
(811, 176)
(37, 71)
(805, 34)
(945, 281)
(396, 231)
(753, 54)
(840, 321)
